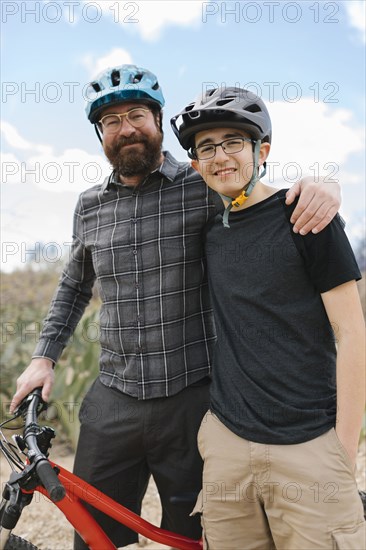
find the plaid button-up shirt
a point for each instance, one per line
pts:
(144, 246)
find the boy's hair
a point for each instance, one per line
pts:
(223, 107)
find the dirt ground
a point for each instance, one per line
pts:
(45, 526)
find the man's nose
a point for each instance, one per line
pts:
(126, 129)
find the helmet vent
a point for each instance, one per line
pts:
(254, 108)
(137, 78)
(156, 86)
(222, 102)
(115, 77)
(96, 86)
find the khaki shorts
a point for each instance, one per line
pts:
(293, 497)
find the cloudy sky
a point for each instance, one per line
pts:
(305, 59)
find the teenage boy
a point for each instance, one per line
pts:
(280, 440)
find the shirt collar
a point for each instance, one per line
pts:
(168, 168)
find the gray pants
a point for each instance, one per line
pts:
(123, 441)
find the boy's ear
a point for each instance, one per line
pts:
(195, 165)
(264, 152)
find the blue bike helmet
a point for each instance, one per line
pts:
(123, 83)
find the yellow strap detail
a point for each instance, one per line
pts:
(240, 199)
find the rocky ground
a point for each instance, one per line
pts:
(44, 525)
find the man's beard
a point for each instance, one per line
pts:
(135, 161)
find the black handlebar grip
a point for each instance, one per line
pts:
(50, 481)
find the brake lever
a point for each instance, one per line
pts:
(23, 407)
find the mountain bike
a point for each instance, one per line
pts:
(32, 471)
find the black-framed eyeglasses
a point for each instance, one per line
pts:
(229, 146)
(111, 124)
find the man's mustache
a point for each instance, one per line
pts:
(122, 141)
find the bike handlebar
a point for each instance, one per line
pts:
(45, 472)
(50, 481)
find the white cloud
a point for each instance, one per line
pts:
(14, 139)
(154, 16)
(10, 168)
(72, 170)
(32, 223)
(317, 139)
(149, 18)
(95, 65)
(311, 138)
(356, 11)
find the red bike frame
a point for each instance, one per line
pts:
(72, 507)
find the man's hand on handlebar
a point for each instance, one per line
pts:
(38, 373)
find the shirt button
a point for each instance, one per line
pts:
(134, 251)
(133, 220)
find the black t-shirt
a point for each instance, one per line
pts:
(274, 370)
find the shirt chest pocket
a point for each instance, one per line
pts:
(111, 249)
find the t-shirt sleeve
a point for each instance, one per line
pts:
(215, 200)
(328, 255)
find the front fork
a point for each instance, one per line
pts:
(11, 507)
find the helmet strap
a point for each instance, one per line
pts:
(97, 131)
(246, 191)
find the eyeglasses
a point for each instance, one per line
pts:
(229, 146)
(111, 124)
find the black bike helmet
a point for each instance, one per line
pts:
(232, 107)
(226, 108)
